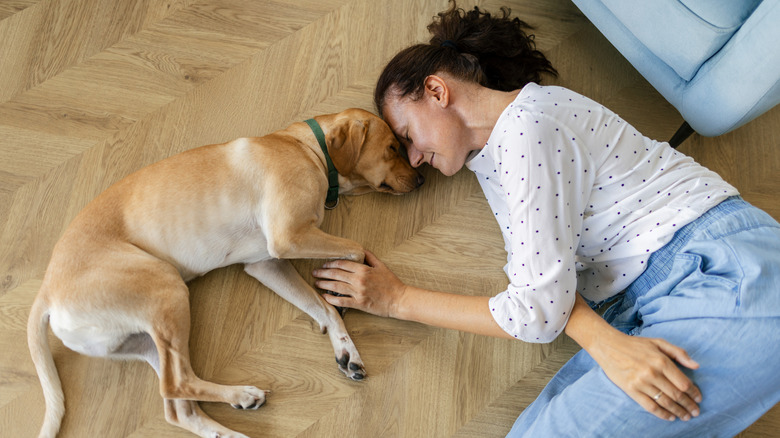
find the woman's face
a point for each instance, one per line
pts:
(428, 131)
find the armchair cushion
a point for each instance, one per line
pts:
(715, 61)
(683, 34)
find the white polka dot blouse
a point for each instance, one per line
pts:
(583, 200)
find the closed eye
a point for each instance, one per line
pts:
(401, 151)
(385, 186)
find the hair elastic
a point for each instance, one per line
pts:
(449, 43)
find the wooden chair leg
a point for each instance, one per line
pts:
(682, 133)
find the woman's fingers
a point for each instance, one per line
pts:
(372, 260)
(668, 404)
(678, 354)
(673, 393)
(338, 301)
(337, 276)
(338, 287)
(651, 405)
(684, 391)
(670, 388)
(333, 274)
(369, 287)
(341, 271)
(654, 396)
(344, 265)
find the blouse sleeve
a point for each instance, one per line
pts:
(545, 180)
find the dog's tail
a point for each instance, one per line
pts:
(38, 342)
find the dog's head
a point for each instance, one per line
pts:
(366, 153)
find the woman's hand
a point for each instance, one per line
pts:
(369, 287)
(645, 369)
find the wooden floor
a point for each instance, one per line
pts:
(91, 90)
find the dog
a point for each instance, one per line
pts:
(116, 283)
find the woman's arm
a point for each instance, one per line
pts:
(375, 289)
(641, 367)
(452, 311)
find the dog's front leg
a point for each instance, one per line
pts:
(281, 277)
(310, 242)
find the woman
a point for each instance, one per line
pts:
(590, 210)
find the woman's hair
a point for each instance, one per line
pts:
(493, 51)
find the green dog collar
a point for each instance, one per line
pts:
(333, 176)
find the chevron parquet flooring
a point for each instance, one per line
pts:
(91, 90)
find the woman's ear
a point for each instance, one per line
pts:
(438, 90)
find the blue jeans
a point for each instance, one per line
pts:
(714, 290)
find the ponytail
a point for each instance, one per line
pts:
(475, 46)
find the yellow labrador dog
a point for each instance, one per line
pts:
(115, 286)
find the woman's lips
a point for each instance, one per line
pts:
(431, 162)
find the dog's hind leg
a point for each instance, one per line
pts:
(281, 277)
(187, 414)
(170, 320)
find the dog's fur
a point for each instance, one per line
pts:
(115, 286)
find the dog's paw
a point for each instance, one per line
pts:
(249, 397)
(352, 369)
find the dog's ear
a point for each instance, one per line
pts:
(347, 142)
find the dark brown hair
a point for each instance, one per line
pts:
(493, 51)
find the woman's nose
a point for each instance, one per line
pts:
(415, 156)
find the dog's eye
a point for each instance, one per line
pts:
(385, 186)
(399, 150)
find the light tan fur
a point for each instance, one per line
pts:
(115, 286)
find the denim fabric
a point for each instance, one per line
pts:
(714, 290)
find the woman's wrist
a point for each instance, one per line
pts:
(587, 328)
(408, 302)
(397, 308)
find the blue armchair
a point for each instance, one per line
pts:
(716, 61)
